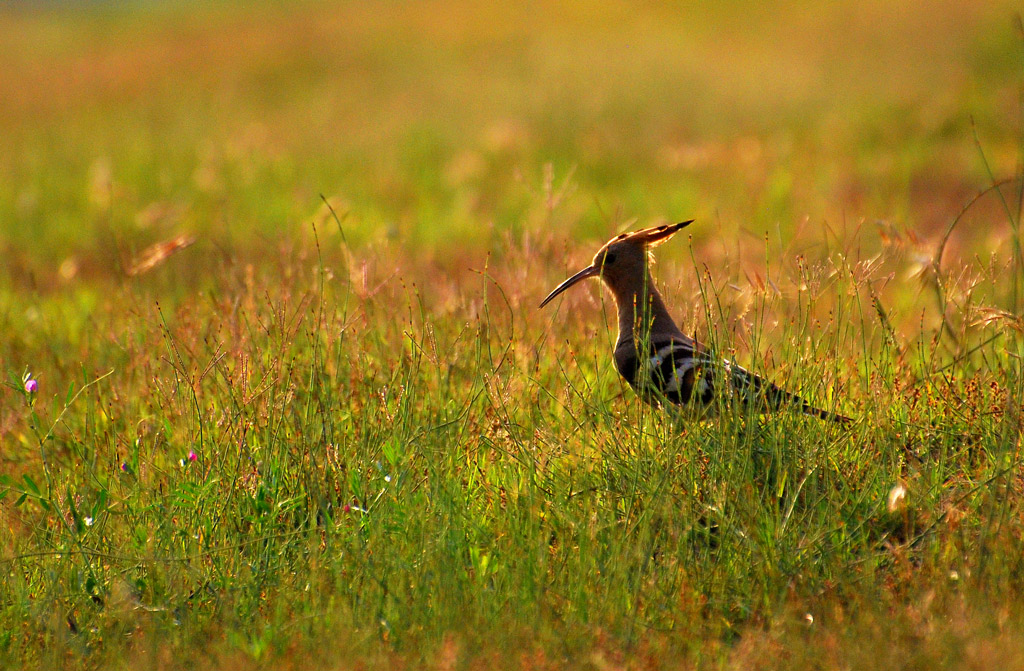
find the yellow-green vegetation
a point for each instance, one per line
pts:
(273, 274)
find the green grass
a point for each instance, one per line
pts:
(401, 462)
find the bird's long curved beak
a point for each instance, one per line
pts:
(589, 271)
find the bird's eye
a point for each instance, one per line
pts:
(609, 258)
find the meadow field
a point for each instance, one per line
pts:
(278, 393)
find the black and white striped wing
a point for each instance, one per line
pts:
(673, 369)
(685, 374)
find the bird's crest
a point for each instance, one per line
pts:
(651, 237)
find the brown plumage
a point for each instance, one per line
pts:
(658, 360)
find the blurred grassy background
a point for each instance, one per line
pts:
(433, 122)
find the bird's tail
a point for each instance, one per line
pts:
(758, 390)
(809, 409)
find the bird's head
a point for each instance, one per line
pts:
(623, 259)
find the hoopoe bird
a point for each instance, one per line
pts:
(658, 360)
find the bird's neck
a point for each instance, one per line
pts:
(642, 314)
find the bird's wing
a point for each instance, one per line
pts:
(684, 372)
(672, 368)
